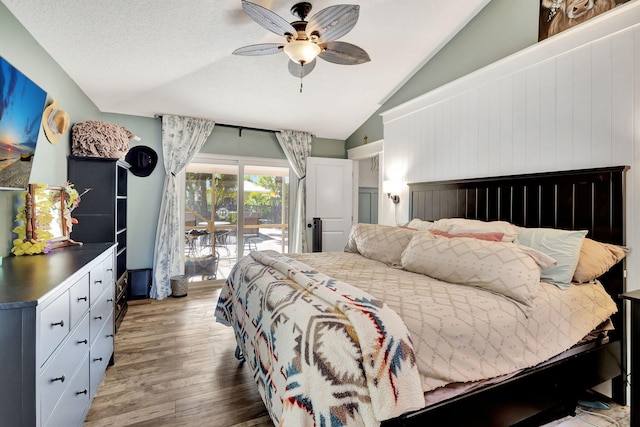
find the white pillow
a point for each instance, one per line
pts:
(562, 245)
(463, 225)
(500, 267)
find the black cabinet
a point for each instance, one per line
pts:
(102, 213)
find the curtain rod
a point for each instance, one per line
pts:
(240, 128)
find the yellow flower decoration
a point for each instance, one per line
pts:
(73, 197)
(42, 205)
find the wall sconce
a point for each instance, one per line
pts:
(392, 188)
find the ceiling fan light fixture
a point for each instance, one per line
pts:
(302, 51)
(307, 40)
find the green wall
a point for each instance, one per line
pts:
(502, 28)
(251, 143)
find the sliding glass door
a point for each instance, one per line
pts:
(225, 220)
(266, 208)
(210, 218)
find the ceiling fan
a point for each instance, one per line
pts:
(306, 40)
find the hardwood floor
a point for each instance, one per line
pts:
(175, 366)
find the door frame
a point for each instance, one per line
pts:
(363, 152)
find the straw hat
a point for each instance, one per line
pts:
(55, 122)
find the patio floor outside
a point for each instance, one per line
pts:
(198, 249)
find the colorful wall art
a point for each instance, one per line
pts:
(21, 106)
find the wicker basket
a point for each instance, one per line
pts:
(179, 286)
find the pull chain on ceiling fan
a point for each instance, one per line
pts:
(307, 40)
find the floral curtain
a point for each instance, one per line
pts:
(297, 147)
(182, 138)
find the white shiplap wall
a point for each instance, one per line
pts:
(569, 102)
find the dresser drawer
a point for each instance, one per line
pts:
(100, 354)
(73, 404)
(107, 267)
(79, 299)
(97, 283)
(100, 313)
(54, 325)
(60, 370)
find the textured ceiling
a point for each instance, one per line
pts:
(148, 57)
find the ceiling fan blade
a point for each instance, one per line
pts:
(343, 53)
(268, 19)
(297, 71)
(259, 49)
(334, 21)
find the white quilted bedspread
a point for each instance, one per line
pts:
(462, 333)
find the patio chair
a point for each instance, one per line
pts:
(251, 219)
(251, 236)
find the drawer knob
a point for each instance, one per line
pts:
(110, 336)
(82, 298)
(81, 392)
(110, 300)
(109, 269)
(61, 379)
(60, 323)
(98, 359)
(84, 341)
(98, 318)
(97, 281)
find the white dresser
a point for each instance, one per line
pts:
(56, 333)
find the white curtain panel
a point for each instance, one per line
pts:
(297, 147)
(182, 138)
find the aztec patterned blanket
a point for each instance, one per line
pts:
(341, 358)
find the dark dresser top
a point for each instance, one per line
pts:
(26, 279)
(632, 295)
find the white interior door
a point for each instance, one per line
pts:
(330, 198)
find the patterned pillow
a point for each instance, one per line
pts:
(596, 258)
(421, 225)
(500, 267)
(351, 242)
(381, 242)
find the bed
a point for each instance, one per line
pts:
(301, 325)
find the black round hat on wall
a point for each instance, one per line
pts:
(142, 159)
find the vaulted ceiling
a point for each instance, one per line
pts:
(149, 57)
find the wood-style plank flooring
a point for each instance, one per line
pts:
(175, 366)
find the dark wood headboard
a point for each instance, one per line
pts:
(588, 199)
